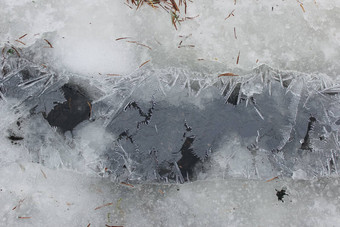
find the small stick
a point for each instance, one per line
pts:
(48, 43)
(230, 14)
(20, 42)
(227, 74)
(22, 36)
(174, 5)
(235, 33)
(140, 44)
(88, 103)
(144, 63)
(272, 179)
(105, 205)
(128, 5)
(43, 174)
(303, 9)
(238, 57)
(123, 38)
(180, 46)
(127, 184)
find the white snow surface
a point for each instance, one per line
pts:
(279, 33)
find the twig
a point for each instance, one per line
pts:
(22, 36)
(230, 14)
(48, 43)
(123, 38)
(272, 179)
(20, 42)
(238, 57)
(127, 184)
(43, 174)
(140, 44)
(144, 63)
(105, 205)
(227, 74)
(303, 9)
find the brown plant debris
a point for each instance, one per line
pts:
(227, 74)
(144, 63)
(140, 44)
(272, 179)
(20, 217)
(122, 38)
(48, 42)
(238, 58)
(22, 36)
(43, 173)
(20, 42)
(105, 205)
(230, 14)
(235, 33)
(127, 184)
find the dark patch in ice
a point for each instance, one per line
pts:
(76, 109)
(126, 135)
(306, 142)
(15, 138)
(280, 194)
(233, 98)
(147, 116)
(188, 160)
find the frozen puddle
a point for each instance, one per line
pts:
(112, 117)
(224, 138)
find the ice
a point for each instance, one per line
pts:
(146, 123)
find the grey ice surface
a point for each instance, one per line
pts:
(175, 125)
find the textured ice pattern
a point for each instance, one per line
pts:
(176, 125)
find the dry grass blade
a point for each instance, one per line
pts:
(105, 205)
(43, 174)
(90, 106)
(181, 46)
(144, 63)
(227, 74)
(127, 184)
(122, 38)
(230, 14)
(20, 42)
(140, 44)
(272, 179)
(238, 58)
(48, 42)
(16, 51)
(22, 36)
(128, 5)
(303, 9)
(174, 5)
(19, 204)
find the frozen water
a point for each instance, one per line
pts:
(87, 108)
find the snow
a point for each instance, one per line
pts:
(273, 127)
